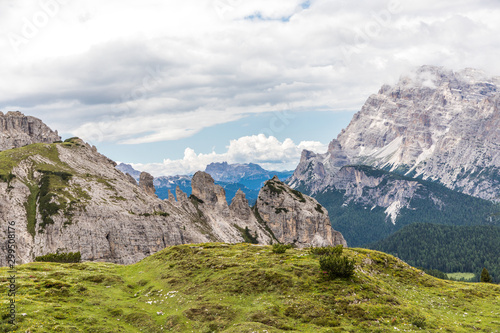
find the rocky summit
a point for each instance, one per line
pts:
(434, 124)
(295, 218)
(17, 130)
(66, 197)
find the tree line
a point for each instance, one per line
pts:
(445, 248)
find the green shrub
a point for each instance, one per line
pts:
(273, 189)
(247, 236)
(327, 250)
(418, 321)
(280, 210)
(281, 248)
(335, 266)
(195, 199)
(71, 257)
(299, 195)
(319, 209)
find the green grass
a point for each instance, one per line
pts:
(48, 178)
(245, 288)
(459, 276)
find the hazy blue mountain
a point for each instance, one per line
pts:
(247, 177)
(251, 175)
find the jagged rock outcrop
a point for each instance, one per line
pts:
(67, 197)
(131, 179)
(239, 206)
(205, 189)
(146, 183)
(17, 130)
(295, 218)
(435, 124)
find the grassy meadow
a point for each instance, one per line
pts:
(242, 288)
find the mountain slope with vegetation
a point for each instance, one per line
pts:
(367, 204)
(449, 249)
(216, 287)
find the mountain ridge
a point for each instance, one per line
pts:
(433, 124)
(66, 196)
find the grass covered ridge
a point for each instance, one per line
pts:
(216, 287)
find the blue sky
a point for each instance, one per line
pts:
(301, 126)
(172, 86)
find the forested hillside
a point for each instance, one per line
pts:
(446, 248)
(361, 208)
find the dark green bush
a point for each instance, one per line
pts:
(280, 210)
(195, 198)
(299, 195)
(281, 248)
(327, 250)
(319, 209)
(273, 189)
(247, 236)
(335, 266)
(71, 257)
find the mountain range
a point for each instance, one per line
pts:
(423, 150)
(67, 197)
(248, 178)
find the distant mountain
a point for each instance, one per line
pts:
(251, 175)
(367, 204)
(434, 124)
(446, 248)
(127, 168)
(424, 150)
(164, 184)
(232, 177)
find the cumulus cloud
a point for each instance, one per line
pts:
(135, 72)
(268, 152)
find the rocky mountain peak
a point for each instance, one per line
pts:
(204, 188)
(181, 196)
(295, 217)
(17, 130)
(146, 183)
(239, 205)
(434, 123)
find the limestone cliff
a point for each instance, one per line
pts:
(17, 130)
(67, 197)
(146, 183)
(295, 218)
(434, 124)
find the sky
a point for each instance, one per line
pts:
(171, 86)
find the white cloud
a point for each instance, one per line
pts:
(268, 152)
(160, 70)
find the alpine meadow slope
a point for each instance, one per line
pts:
(244, 288)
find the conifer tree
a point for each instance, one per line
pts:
(485, 276)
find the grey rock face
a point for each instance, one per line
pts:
(146, 183)
(295, 218)
(131, 179)
(239, 206)
(204, 189)
(91, 207)
(376, 190)
(17, 130)
(435, 123)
